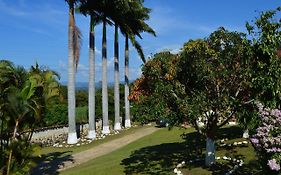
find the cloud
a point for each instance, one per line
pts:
(166, 20)
(44, 15)
(174, 49)
(10, 10)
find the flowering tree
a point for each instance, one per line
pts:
(267, 139)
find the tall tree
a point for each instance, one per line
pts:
(99, 10)
(89, 8)
(105, 127)
(103, 8)
(206, 84)
(117, 124)
(92, 90)
(74, 41)
(135, 22)
(117, 15)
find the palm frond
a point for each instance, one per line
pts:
(138, 47)
(77, 43)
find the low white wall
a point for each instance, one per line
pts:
(57, 132)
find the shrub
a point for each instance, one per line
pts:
(56, 115)
(267, 140)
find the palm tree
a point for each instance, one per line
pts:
(127, 103)
(117, 16)
(117, 124)
(105, 128)
(25, 97)
(121, 13)
(7, 79)
(89, 8)
(92, 89)
(135, 19)
(74, 38)
(103, 9)
(98, 10)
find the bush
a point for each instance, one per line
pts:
(82, 114)
(56, 115)
(267, 139)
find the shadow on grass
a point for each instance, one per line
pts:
(51, 163)
(163, 158)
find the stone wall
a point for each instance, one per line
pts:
(48, 137)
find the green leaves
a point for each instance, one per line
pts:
(24, 95)
(265, 64)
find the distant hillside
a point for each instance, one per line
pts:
(84, 85)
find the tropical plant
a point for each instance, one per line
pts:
(101, 9)
(89, 7)
(134, 25)
(117, 16)
(22, 108)
(74, 44)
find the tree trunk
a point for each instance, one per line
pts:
(210, 152)
(105, 128)
(72, 135)
(117, 125)
(11, 151)
(92, 90)
(246, 134)
(127, 103)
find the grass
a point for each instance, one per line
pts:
(51, 154)
(123, 160)
(160, 152)
(244, 152)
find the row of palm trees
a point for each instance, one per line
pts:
(129, 17)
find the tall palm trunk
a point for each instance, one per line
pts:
(127, 104)
(117, 125)
(92, 90)
(72, 135)
(105, 128)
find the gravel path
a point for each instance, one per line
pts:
(84, 156)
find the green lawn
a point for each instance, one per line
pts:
(50, 154)
(160, 152)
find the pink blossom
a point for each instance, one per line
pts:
(273, 165)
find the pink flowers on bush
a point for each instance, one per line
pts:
(267, 139)
(273, 165)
